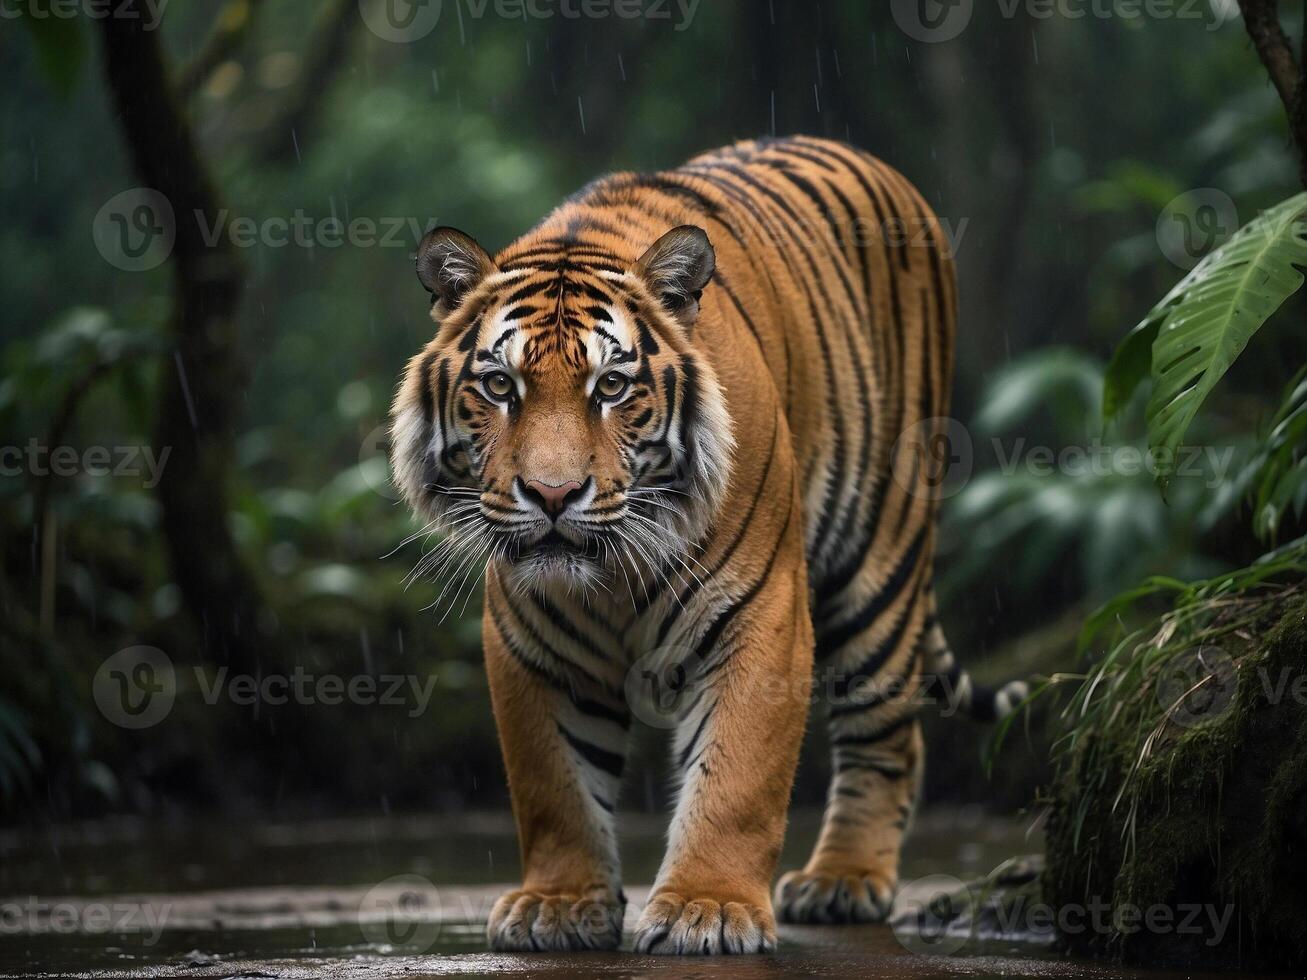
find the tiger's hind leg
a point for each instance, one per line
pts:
(873, 691)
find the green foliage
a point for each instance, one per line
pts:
(1188, 341)
(58, 39)
(1180, 773)
(1278, 473)
(20, 758)
(1089, 506)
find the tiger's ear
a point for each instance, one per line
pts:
(676, 268)
(450, 263)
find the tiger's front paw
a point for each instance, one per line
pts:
(816, 897)
(529, 921)
(672, 924)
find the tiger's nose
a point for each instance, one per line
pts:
(553, 500)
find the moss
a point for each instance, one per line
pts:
(1215, 815)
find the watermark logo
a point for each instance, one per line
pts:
(400, 21)
(932, 21)
(136, 687)
(406, 21)
(659, 686)
(932, 915)
(40, 460)
(135, 230)
(933, 458)
(402, 912)
(1194, 223)
(939, 915)
(149, 13)
(35, 916)
(1198, 685)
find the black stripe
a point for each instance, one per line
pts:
(763, 483)
(875, 736)
(833, 637)
(551, 678)
(600, 758)
(426, 396)
(694, 739)
(725, 616)
(869, 668)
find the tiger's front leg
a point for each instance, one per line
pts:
(735, 752)
(563, 749)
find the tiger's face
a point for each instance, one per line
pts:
(561, 423)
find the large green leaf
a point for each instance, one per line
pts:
(1202, 325)
(1130, 365)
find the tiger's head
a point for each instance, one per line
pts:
(561, 422)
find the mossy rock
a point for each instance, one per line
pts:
(1213, 815)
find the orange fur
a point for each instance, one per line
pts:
(733, 521)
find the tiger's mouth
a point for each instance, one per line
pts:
(552, 544)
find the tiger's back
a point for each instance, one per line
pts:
(835, 279)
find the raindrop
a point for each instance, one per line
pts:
(186, 388)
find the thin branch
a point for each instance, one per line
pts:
(43, 482)
(284, 133)
(230, 29)
(1262, 20)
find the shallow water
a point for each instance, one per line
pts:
(408, 897)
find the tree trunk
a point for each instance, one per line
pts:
(202, 378)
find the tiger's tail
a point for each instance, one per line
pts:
(950, 685)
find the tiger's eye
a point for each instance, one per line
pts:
(612, 385)
(498, 384)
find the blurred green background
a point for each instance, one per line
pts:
(1082, 162)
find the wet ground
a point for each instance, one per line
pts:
(408, 898)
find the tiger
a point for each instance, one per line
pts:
(684, 425)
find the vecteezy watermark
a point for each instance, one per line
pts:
(136, 230)
(36, 459)
(402, 912)
(1197, 686)
(137, 688)
(664, 685)
(939, 914)
(932, 915)
(933, 21)
(1201, 684)
(405, 21)
(1100, 459)
(659, 688)
(35, 916)
(935, 458)
(149, 12)
(1194, 223)
(304, 688)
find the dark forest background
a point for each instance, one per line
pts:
(1082, 162)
